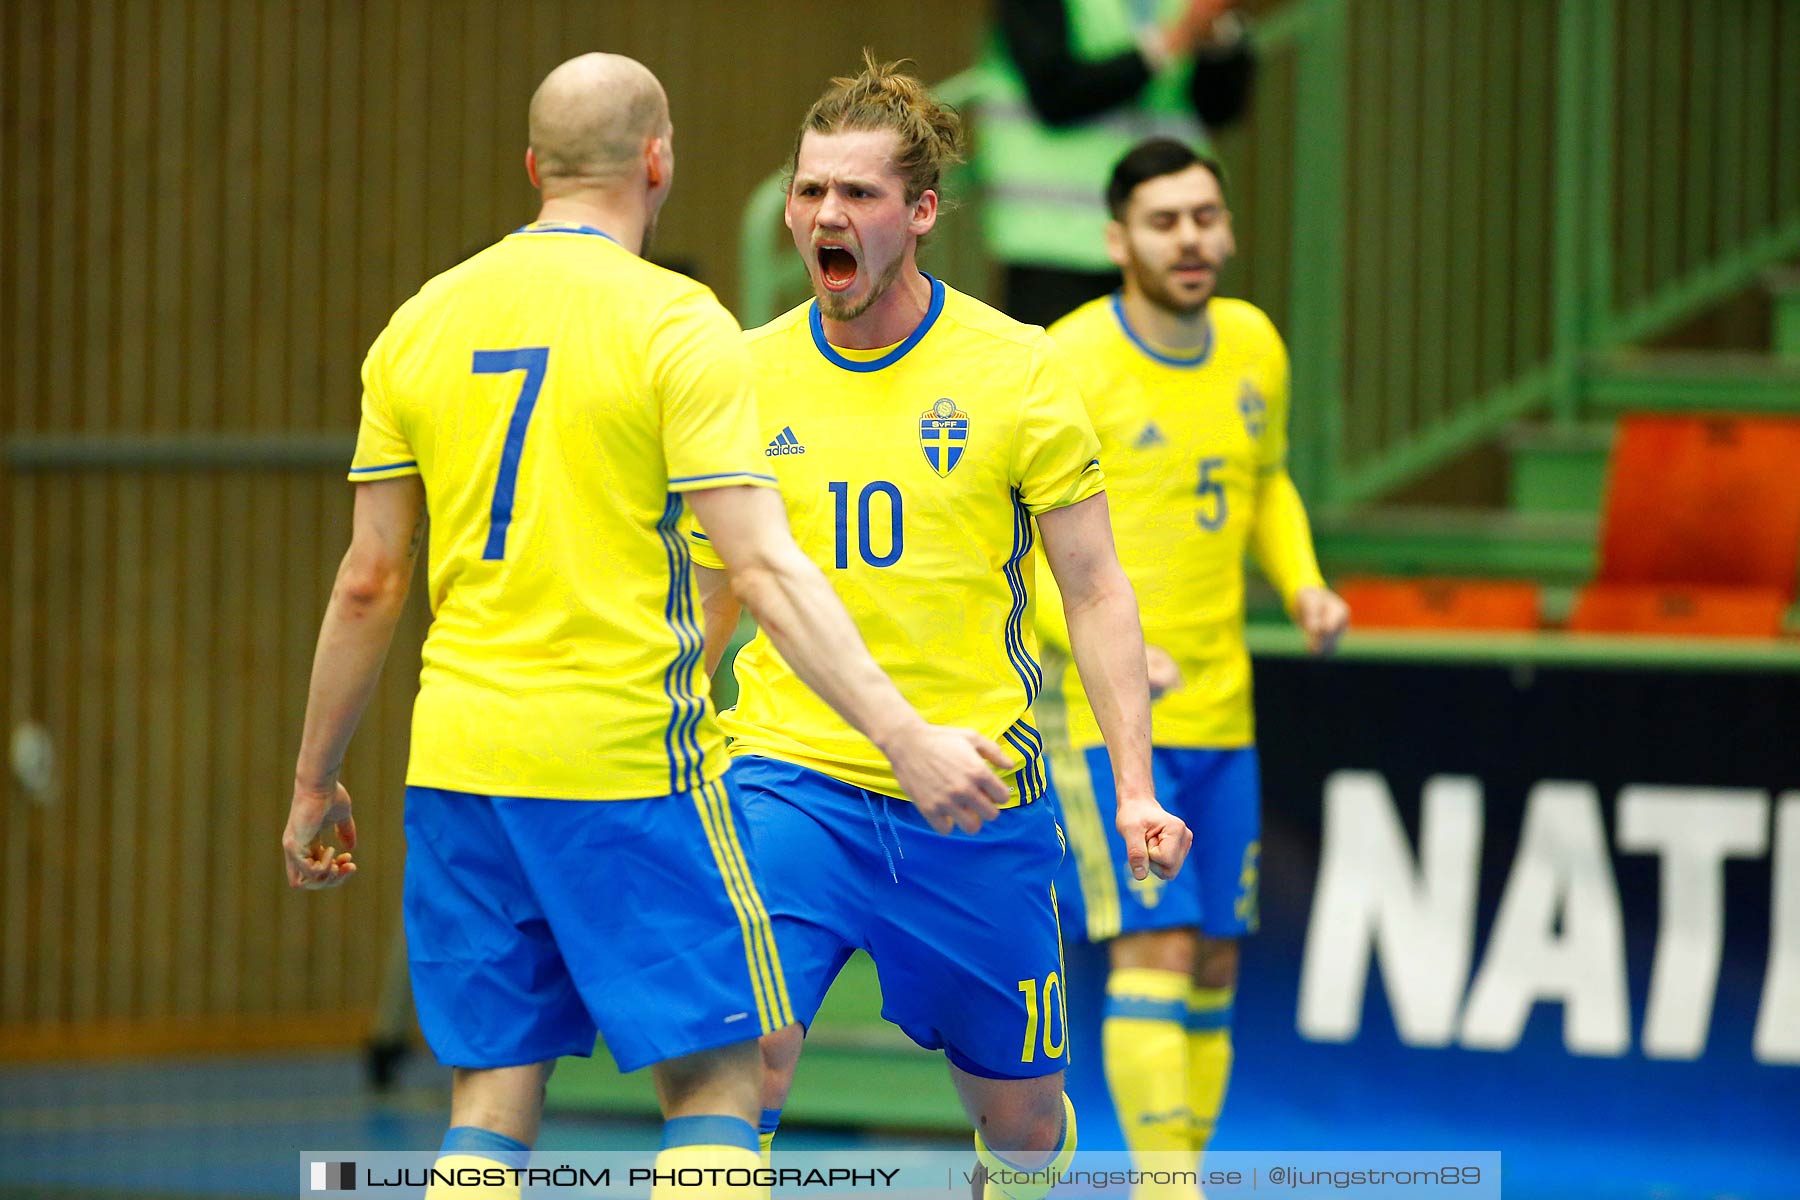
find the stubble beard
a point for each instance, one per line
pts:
(1154, 288)
(835, 309)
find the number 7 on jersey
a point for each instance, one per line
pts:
(534, 361)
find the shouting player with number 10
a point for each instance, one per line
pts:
(923, 442)
(574, 856)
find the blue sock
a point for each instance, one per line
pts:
(471, 1139)
(709, 1131)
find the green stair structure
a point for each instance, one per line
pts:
(1693, 381)
(1556, 484)
(1783, 284)
(1558, 468)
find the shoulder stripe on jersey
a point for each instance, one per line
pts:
(817, 325)
(722, 475)
(1149, 351)
(1029, 671)
(1022, 736)
(696, 709)
(382, 467)
(1031, 773)
(686, 708)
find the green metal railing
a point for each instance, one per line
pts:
(1455, 209)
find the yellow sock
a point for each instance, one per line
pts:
(767, 1124)
(707, 1158)
(1144, 1043)
(472, 1188)
(1209, 1059)
(1023, 1183)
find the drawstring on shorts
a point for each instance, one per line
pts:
(887, 812)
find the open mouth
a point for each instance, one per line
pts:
(837, 266)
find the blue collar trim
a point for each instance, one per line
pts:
(557, 227)
(1149, 351)
(892, 356)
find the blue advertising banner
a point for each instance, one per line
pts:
(1548, 911)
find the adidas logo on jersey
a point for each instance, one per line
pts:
(784, 443)
(1151, 436)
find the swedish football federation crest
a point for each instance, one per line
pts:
(943, 434)
(1148, 890)
(1254, 409)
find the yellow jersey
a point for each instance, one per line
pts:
(1190, 444)
(912, 476)
(557, 394)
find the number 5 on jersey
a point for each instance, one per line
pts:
(535, 362)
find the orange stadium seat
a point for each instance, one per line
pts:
(1477, 604)
(1679, 611)
(1709, 500)
(1702, 528)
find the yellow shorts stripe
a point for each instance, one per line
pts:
(1062, 971)
(759, 983)
(761, 942)
(783, 1009)
(1087, 833)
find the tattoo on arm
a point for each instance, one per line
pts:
(418, 535)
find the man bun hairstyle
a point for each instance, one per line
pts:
(1150, 159)
(884, 96)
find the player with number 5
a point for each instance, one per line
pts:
(924, 443)
(1189, 394)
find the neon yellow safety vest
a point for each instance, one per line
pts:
(1043, 189)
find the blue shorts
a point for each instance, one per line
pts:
(962, 927)
(1217, 792)
(532, 925)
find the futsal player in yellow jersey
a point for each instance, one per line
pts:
(555, 402)
(924, 443)
(1189, 394)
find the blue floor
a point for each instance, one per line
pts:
(232, 1129)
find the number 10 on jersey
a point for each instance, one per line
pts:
(1054, 1021)
(865, 503)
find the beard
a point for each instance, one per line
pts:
(1154, 285)
(835, 308)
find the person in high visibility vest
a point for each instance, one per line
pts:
(1073, 84)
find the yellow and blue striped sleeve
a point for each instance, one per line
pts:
(1056, 454)
(700, 547)
(703, 378)
(382, 451)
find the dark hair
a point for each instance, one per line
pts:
(1150, 159)
(883, 96)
